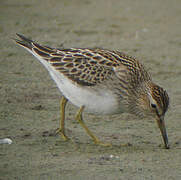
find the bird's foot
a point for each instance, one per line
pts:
(62, 134)
(98, 142)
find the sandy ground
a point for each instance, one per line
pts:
(29, 99)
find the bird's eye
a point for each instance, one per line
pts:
(153, 106)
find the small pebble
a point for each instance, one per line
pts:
(111, 156)
(6, 141)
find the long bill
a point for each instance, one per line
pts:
(161, 125)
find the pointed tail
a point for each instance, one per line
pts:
(34, 48)
(25, 42)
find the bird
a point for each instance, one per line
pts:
(101, 81)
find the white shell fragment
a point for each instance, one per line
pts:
(6, 141)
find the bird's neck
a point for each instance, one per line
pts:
(138, 100)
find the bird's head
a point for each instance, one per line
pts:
(154, 102)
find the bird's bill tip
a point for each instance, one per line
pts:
(161, 125)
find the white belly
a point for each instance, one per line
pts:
(99, 101)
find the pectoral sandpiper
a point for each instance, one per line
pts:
(101, 81)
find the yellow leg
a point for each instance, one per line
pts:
(61, 129)
(80, 120)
